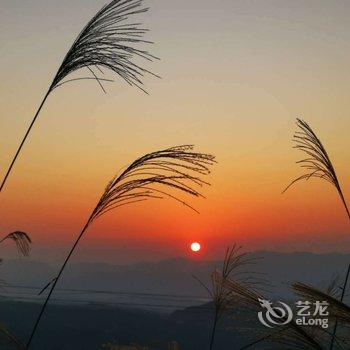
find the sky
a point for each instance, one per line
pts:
(234, 76)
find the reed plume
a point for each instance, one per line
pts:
(153, 175)
(109, 41)
(339, 312)
(222, 298)
(317, 162)
(22, 241)
(290, 336)
(337, 309)
(318, 165)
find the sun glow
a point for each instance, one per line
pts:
(195, 247)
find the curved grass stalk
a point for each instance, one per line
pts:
(317, 162)
(153, 175)
(319, 165)
(22, 241)
(108, 41)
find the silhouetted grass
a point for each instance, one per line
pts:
(153, 175)
(108, 41)
(290, 336)
(339, 312)
(222, 297)
(22, 241)
(317, 162)
(318, 165)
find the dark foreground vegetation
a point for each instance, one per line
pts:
(90, 326)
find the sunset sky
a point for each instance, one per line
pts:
(235, 75)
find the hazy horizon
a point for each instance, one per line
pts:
(119, 254)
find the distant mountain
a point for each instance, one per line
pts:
(161, 282)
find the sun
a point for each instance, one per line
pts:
(195, 247)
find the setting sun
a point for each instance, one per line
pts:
(195, 247)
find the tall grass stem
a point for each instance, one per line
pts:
(24, 140)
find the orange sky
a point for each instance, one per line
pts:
(234, 77)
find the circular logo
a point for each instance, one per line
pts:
(274, 315)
